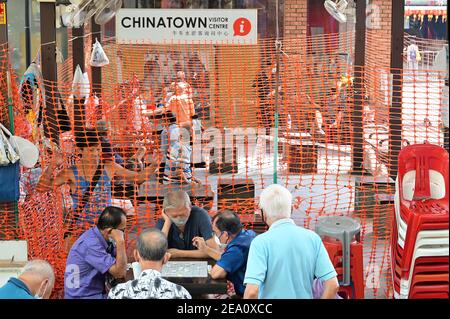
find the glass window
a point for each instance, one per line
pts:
(16, 36)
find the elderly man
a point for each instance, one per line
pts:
(35, 282)
(181, 223)
(232, 262)
(283, 262)
(96, 256)
(151, 253)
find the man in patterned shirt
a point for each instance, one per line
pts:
(151, 253)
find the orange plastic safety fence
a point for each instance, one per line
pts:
(224, 156)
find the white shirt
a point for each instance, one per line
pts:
(149, 285)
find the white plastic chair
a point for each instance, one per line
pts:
(436, 181)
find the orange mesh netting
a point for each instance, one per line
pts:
(232, 90)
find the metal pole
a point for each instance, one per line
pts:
(357, 116)
(96, 72)
(78, 48)
(48, 52)
(27, 33)
(7, 113)
(277, 84)
(395, 110)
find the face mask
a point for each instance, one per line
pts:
(179, 221)
(221, 245)
(217, 240)
(36, 296)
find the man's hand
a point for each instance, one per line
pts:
(174, 253)
(117, 235)
(166, 218)
(199, 242)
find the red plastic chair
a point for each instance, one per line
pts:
(422, 212)
(422, 264)
(443, 288)
(334, 249)
(430, 269)
(429, 279)
(430, 295)
(438, 260)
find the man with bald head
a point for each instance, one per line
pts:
(35, 282)
(151, 253)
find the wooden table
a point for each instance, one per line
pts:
(196, 286)
(201, 195)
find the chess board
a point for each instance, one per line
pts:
(198, 269)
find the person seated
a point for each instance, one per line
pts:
(176, 152)
(181, 223)
(92, 163)
(36, 281)
(232, 263)
(151, 253)
(96, 255)
(121, 188)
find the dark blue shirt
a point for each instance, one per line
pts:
(15, 289)
(87, 265)
(234, 259)
(198, 224)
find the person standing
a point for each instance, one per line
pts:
(284, 261)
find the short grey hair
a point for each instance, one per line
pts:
(152, 244)
(39, 267)
(176, 199)
(276, 202)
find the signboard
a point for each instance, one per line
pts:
(2, 13)
(162, 26)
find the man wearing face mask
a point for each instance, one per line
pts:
(151, 253)
(284, 261)
(35, 282)
(181, 223)
(236, 241)
(98, 253)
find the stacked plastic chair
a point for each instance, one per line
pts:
(341, 238)
(420, 238)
